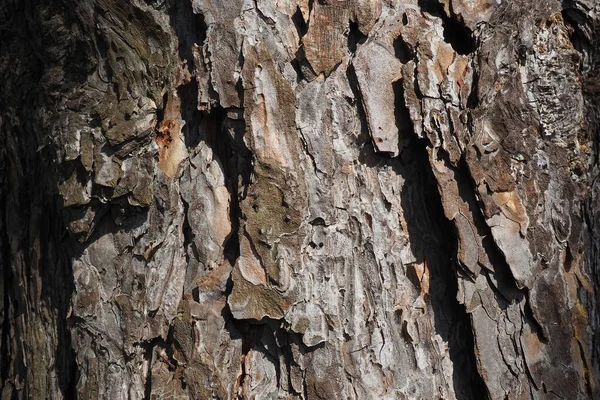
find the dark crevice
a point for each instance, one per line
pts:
(268, 346)
(530, 319)
(505, 284)
(586, 371)
(300, 24)
(568, 263)
(224, 136)
(318, 222)
(355, 37)
(223, 130)
(283, 337)
(402, 50)
(160, 110)
(473, 99)
(267, 20)
(434, 242)
(188, 233)
(188, 94)
(456, 33)
(298, 69)
(189, 27)
(467, 190)
(302, 67)
(167, 350)
(7, 283)
(459, 36)
(308, 152)
(53, 231)
(357, 100)
(579, 27)
(433, 7)
(238, 329)
(251, 334)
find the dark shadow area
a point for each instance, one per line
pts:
(459, 36)
(148, 348)
(433, 241)
(35, 264)
(299, 23)
(302, 67)
(364, 137)
(59, 288)
(188, 94)
(505, 288)
(456, 33)
(223, 131)
(473, 99)
(433, 7)
(33, 221)
(355, 37)
(402, 50)
(189, 27)
(260, 336)
(581, 33)
(5, 323)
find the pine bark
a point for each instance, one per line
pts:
(298, 199)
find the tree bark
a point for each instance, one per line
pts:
(331, 199)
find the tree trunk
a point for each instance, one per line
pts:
(332, 199)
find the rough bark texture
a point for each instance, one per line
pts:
(359, 199)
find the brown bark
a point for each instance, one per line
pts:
(299, 199)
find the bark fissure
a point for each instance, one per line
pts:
(355, 37)
(452, 321)
(7, 281)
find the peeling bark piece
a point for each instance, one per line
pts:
(251, 298)
(486, 344)
(366, 12)
(435, 57)
(73, 193)
(377, 71)
(127, 120)
(275, 197)
(515, 249)
(222, 49)
(325, 42)
(204, 191)
(510, 204)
